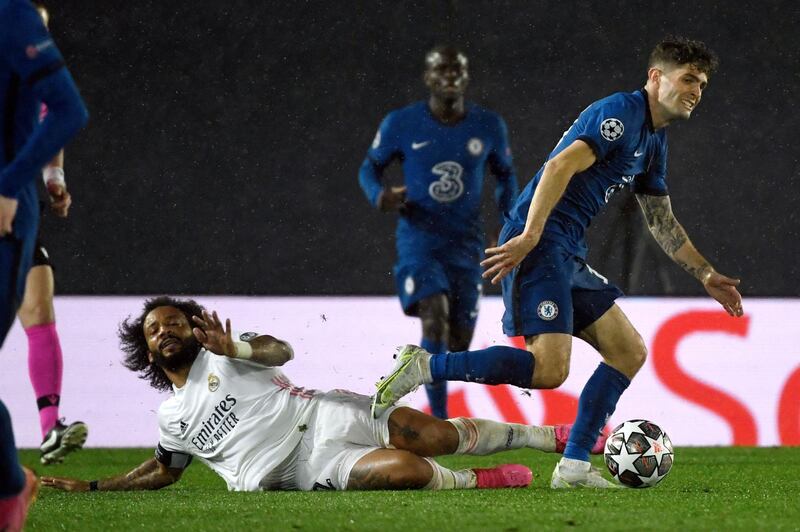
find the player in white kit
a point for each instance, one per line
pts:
(232, 408)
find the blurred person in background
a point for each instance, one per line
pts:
(32, 72)
(444, 145)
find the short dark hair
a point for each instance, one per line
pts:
(133, 343)
(682, 51)
(448, 49)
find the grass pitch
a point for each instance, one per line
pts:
(708, 489)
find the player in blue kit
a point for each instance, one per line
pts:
(444, 145)
(550, 292)
(31, 73)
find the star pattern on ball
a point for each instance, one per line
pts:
(657, 448)
(628, 428)
(639, 454)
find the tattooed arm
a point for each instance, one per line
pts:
(151, 475)
(672, 238)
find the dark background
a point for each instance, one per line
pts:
(225, 137)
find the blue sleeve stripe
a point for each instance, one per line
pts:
(44, 72)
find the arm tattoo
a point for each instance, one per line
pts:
(148, 476)
(669, 234)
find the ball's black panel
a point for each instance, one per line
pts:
(645, 465)
(637, 443)
(629, 478)
(666, 465)
(612, 465)
(651, 429)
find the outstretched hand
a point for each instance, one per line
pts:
(210, 333)
(66, 484)
(502, 259)
(723, 289)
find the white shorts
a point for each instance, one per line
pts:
(340, 432)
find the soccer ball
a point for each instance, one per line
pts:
(639, 454)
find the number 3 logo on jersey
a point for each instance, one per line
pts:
(449, 187)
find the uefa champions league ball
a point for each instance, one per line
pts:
(639, 454)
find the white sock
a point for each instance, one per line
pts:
(447, 479)
(482, 436)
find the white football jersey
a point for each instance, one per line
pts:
(240, 418)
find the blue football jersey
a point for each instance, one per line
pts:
(31, 72)
(630, 153)
(443, 168)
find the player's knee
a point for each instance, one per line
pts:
(638, 353)
(435, 328)
(438, 438)
(36, 313)
(410, 472)
(551, 371)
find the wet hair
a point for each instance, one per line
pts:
(133, 343)
(431, 56)
(683, 51)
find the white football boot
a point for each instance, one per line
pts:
(571, 473)
(411, 369)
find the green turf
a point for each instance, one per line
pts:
(708, 489)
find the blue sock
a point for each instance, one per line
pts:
(498, 364)
(597, 402)
(12, 479)
(437, 391)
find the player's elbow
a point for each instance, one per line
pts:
(285, 354)
(76, 116)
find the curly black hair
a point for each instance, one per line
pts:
(682, 51)
(134, 344)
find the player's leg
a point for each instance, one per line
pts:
(624, 353)
(344, 447)
(424, 435)
(17, 486)
(603, 325)
(434, 312)
(392, 469)
(422, 286)
(538, 302)
(45, 361)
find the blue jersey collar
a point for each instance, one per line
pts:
(648, 117)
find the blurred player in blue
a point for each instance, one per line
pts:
(550, 292)
(32, 73)
(444, 145)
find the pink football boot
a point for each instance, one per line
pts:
(504, 476)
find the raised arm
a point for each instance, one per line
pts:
(672, 238)
(151, 475)
(262, 349)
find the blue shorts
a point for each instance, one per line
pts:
(420, 277)
(553, 291)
